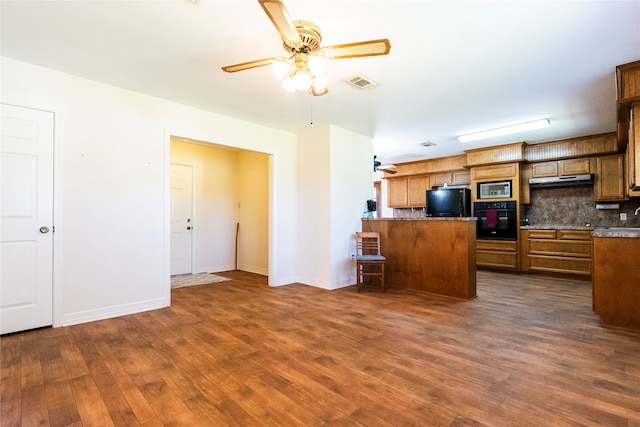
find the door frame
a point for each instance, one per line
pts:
(57, 200)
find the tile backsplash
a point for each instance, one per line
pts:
(565, 206)
(574, 206)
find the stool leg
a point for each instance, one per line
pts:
(358, 267)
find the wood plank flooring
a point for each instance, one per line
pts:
(527, 352)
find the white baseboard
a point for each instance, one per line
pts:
(113, 311)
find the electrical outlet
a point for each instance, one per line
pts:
(623, 216)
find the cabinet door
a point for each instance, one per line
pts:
(439, 179)
(609, 183)
(573, 166)
(397, 193)
(461, 177)
(633, 151)
(418, 185)
(544, 169)
(487, 173)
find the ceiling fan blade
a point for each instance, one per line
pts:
(249, 65)
(358, 49)
(282, 21)
(315, 92)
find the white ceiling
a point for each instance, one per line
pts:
(454, 66)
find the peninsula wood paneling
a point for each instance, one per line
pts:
(434, 255)
(616, 288)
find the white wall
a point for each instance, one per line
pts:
(334, 168)
(351, 187)
(314, 206)
(253, 211)
(111, 188)
(112, 155)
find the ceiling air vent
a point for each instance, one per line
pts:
(362, 82)
(428, 144)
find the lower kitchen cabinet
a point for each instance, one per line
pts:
(497, 254)
(566, 251)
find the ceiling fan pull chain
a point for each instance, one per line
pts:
(311, 121)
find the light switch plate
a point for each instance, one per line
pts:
(623, 216)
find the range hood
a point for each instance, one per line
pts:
(561, 181)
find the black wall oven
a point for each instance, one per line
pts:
(496, 220)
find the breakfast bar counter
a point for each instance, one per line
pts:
(436, 255)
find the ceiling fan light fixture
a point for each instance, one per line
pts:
(316, 64)
(302, 80)
(280, 68)
(287, 84)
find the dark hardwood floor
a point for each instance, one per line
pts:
(527, 352)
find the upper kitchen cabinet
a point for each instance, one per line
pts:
(561, 168)
(609, 178)
(407, 192)
(418, 186)
(397, 196)
(628, 92)
(633, 151)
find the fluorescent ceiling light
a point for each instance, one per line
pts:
(537, 124)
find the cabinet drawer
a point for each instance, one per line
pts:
(497, 259)
(569, 248)
(497, 245)
(542, 234)
(553, 264)
(574, 234)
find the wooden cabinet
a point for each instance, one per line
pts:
(633, 151)
(439, 179)
(417, 186)
(616, 288)
(566, 251)
(610, 179)
(397, 196)
(461, 177)
(561, 168)
(407, 192)
(491, 172)
(501, 254)
(628, 85)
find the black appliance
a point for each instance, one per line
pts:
(449, 202)
(496, 220)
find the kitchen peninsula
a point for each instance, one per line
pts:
(436, 255)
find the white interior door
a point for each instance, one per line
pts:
(181, 218)
(26, 215)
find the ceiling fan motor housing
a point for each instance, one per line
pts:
(310, 35)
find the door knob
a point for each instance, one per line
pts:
(44, 229)
(188, 228)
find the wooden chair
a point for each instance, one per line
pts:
(369, 261)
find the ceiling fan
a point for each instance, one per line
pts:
(302, 68)
(377, 167)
